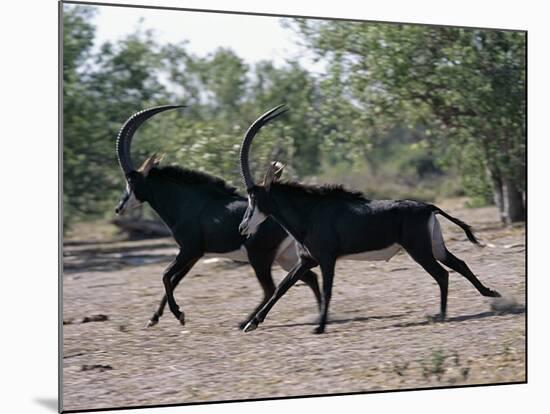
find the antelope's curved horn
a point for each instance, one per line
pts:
(249, 136)
(126, 133)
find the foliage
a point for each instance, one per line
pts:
(466, 86)
(99, 89)
(399, 110)
(103, 86)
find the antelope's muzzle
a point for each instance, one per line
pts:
(121, 206)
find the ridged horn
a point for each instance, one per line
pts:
(126, 133)
(249, 136)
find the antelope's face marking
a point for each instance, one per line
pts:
(253, 217)
(127, 201)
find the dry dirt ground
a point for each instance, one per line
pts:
(379, 337)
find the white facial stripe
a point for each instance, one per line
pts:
(130, 202)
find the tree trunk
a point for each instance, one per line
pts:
(513, 207)
(497, 194)
(508, 199)
(142, 228)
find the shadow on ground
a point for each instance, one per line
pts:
(338, 321)
(516, 311)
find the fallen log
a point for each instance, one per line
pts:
(142, 227)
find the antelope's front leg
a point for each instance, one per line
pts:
(301, 267)
(174, 282)
(180, 264)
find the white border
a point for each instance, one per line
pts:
(29, 204)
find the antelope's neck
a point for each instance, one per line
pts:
(292, 213)
(170, 201)
(165, 211)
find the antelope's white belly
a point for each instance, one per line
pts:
(383, 254)
(287, 254)
(239, 255)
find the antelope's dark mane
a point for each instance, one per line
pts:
(192, 177)
(323, 190)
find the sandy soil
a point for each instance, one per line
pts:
(379, 337)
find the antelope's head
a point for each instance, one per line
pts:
(259, 200)
(135, 192)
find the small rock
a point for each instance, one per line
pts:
(99, 367)
(95, 318)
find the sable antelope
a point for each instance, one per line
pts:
(330, 222)
(203, 213)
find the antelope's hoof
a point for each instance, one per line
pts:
(319, 330)
(493, 294)
(182, 319)
(152, 322)
(250, 326)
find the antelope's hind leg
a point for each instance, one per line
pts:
(442, 254)
(310, 279)
(417, 241)
(461, 267)
(327, 270)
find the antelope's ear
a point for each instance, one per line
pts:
(279, 167)
(152, 161)
(273, 173)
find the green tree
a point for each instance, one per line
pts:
(100, 90)
(467, 86)
(295, 87)
(105, 84)
(78, 37)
